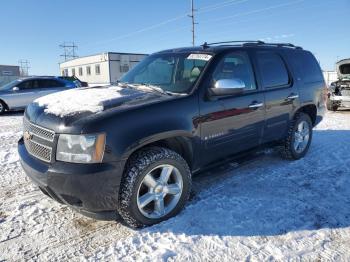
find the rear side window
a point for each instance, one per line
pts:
(308, 67)
(272, 69)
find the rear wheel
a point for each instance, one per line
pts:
(155, 186)
(2, 107)
(299, 137)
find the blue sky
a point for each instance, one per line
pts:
(33, 29)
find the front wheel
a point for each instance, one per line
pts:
(299, 137)
(331, 106)
(155, 186)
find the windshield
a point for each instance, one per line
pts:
(173, 72)
(10, 85)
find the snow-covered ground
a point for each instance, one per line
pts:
(263, 208)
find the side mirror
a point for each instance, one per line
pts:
(225, 87)
(15, 88)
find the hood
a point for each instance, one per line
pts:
(62, 110)
(343, 68)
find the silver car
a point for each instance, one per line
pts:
(21, 92)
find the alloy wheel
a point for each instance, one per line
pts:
(159, 191)
(301, 137)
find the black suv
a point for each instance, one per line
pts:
(131, 148)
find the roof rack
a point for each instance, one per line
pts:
(206, 45)
(252, 43)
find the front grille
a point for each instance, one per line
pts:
(38, 141)
(38, 131)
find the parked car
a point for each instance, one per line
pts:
(339, 91)
(134, 147)
(19, 93)
(75, 79)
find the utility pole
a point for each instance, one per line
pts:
(24, 67)
(69, 50)
(193, 21)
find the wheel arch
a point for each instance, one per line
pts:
(179, 142)
(310, 110)
(5, 104)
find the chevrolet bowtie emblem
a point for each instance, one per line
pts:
(27, 136)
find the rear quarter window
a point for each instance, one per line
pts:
(307, 66)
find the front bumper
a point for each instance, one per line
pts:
(91, 189)
(342, 101)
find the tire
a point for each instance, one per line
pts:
(135, 184)
(2, 107)
(331, 106)
(289, 149)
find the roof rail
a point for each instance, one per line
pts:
(206, 45)
(283, 45)
(252, 42)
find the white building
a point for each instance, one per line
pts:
(100, 69)
(8, 73)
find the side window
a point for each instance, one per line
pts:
(49, 83)
(236, 66)
(308, 66)
(273, 70)
(73, 71)
(88, 70)
(26, 85)
(80, 71)
(97, 69)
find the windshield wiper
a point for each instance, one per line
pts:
(153, 87)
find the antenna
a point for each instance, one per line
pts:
(193, 22)
(24, 67)
(69, 50)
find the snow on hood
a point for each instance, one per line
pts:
(81, 100)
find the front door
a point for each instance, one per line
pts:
(26, 93)
(231, 124)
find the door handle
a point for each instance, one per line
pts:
(256, 105)
(292, 96)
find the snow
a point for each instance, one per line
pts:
(261, 208)
(78, 100)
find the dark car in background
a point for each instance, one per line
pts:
(75, 80)
(132, 147)
(339, 91)
(21, 92)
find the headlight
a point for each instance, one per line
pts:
(81, 148)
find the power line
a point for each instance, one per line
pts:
(24, 67)
(193, 22)
(69, 50)
(204, 9)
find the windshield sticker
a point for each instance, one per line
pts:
(204, 57)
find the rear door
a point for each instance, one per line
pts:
(281, 92)
(231, 124)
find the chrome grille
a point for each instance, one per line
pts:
(38, 140)
(38, 150)
(38, 131)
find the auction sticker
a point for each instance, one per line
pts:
(204, 57)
